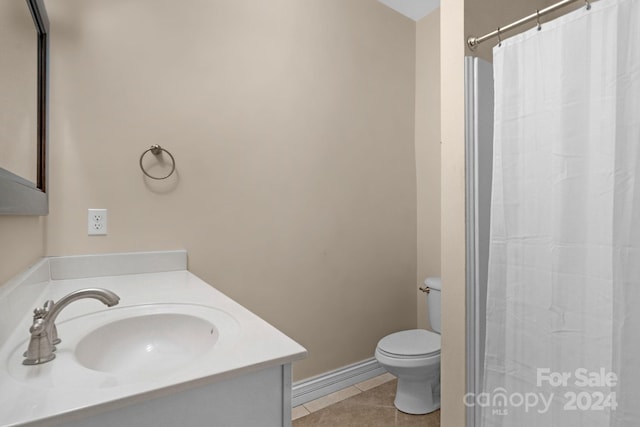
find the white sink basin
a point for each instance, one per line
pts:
(147, 344)
(125, 345)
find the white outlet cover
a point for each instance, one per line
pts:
(97, 222)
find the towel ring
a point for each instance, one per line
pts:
(156, 150)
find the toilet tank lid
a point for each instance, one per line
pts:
(433, 283)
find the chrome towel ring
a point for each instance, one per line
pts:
(157, 150)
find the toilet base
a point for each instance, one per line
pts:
(418, 390)
(416, 395)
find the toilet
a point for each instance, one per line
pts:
(414, 357)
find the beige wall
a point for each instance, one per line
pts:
(22, 243)
(460, 19)
(292, 125)
(427, 153)
(453, 213)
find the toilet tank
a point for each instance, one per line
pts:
(433, 301)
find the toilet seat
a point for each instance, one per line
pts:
(411, 344)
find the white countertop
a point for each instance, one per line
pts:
(43, 394)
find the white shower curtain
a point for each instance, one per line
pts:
(563, 304)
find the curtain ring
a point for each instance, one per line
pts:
(588, 4)
(499, 38)
(538, 19)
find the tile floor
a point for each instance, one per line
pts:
(369, 403)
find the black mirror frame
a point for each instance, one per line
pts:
(19, 196)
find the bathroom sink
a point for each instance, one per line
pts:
(146, 345)
(131, 344)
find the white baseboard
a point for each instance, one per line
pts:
(313, 388)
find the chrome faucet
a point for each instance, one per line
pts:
(44, 334)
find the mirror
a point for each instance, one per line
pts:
(24, 73)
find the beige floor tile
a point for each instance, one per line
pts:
(344, 415)
(383, 396)
(371, 408)
(375, 381)
(330, 399)
(298, 412)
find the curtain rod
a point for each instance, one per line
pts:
(473, 42)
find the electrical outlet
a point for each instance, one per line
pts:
(97, 222)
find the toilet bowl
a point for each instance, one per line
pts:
(414, 357)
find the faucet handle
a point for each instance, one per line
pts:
(38, 325)
(41, 312)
